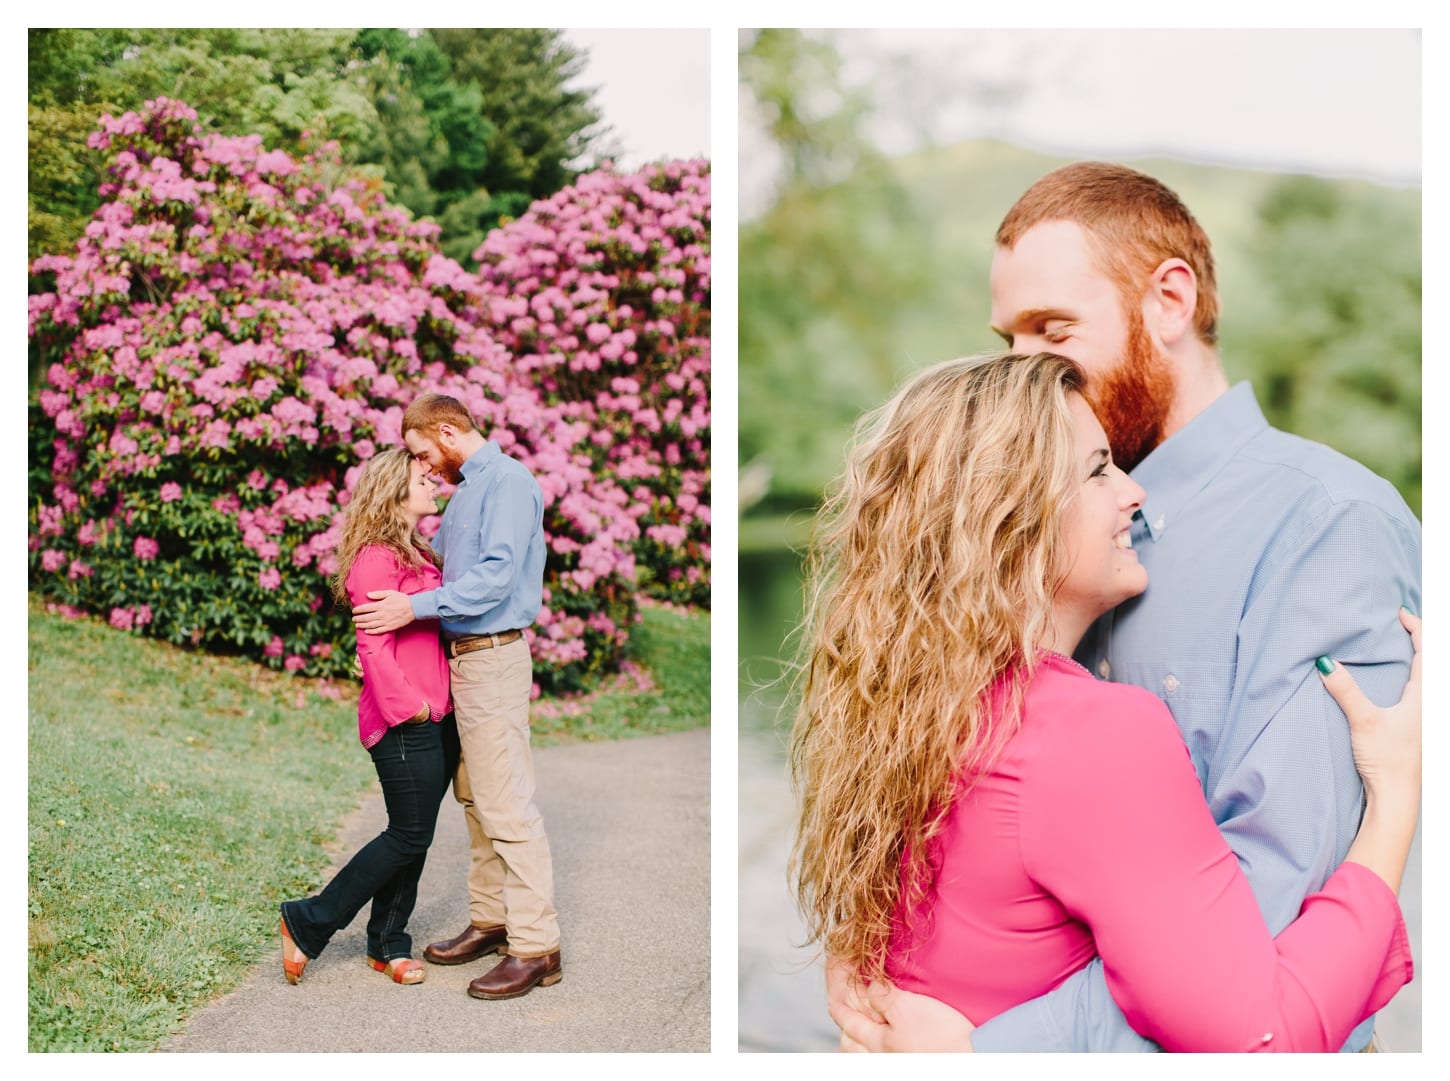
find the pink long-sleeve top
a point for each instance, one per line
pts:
(1090, 835)
(401, 669)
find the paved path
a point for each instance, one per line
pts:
(782, 992)
(629, 827)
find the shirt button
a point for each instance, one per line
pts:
(1170, 683)
(1158, 526)
(1104, 668)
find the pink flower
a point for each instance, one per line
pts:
(122, 618)
(294, 662)
(300, 318)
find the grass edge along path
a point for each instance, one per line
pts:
(175, 798)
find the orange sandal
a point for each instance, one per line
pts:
(403, 970)
(291, 967)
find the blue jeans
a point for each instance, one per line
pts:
(415, 763)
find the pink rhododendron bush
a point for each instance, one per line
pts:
(602, 295)
(235, 333)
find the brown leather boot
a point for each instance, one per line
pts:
(515, 976)
(473, 943)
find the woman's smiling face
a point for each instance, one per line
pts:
(1102, 570)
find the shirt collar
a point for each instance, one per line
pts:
(1180, 466)
(475, 464)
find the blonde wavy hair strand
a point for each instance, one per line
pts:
(930, 576)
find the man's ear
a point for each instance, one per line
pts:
(446, 436)
(1173, 289)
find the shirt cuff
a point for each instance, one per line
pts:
(425, 604)
(1360, 887)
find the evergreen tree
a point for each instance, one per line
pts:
(543, 128)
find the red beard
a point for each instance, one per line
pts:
(452, 466)
(1132, 401)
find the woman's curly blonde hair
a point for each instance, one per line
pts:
(930, 576)
(374, 515)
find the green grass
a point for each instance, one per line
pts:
(673, 647)
(175, 798)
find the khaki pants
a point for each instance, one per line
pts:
(511, 873)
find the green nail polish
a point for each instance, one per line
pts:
(1325, 665)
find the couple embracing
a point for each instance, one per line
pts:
(446, 682)
(1071, 752)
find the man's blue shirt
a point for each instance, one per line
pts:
(1263, 551)
(492, 544)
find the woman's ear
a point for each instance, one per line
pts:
(1173, 290)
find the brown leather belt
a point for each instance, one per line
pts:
(469, 642)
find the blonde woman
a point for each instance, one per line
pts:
(980, 816)
(405, 721)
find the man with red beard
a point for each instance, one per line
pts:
(1264, 553)
(493, 549)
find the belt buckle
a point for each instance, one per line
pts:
(481, 641)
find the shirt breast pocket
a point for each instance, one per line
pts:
(1197, 693)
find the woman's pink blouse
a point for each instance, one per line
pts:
(1091, 836)
(401, 669)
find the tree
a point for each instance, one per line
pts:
(1333, 330)
(543, 128)
(432, 142)
(827, 274)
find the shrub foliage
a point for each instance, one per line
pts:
(239, 328)
(602, 295)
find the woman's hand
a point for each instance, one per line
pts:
(1386, 740)
(881, 1017)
